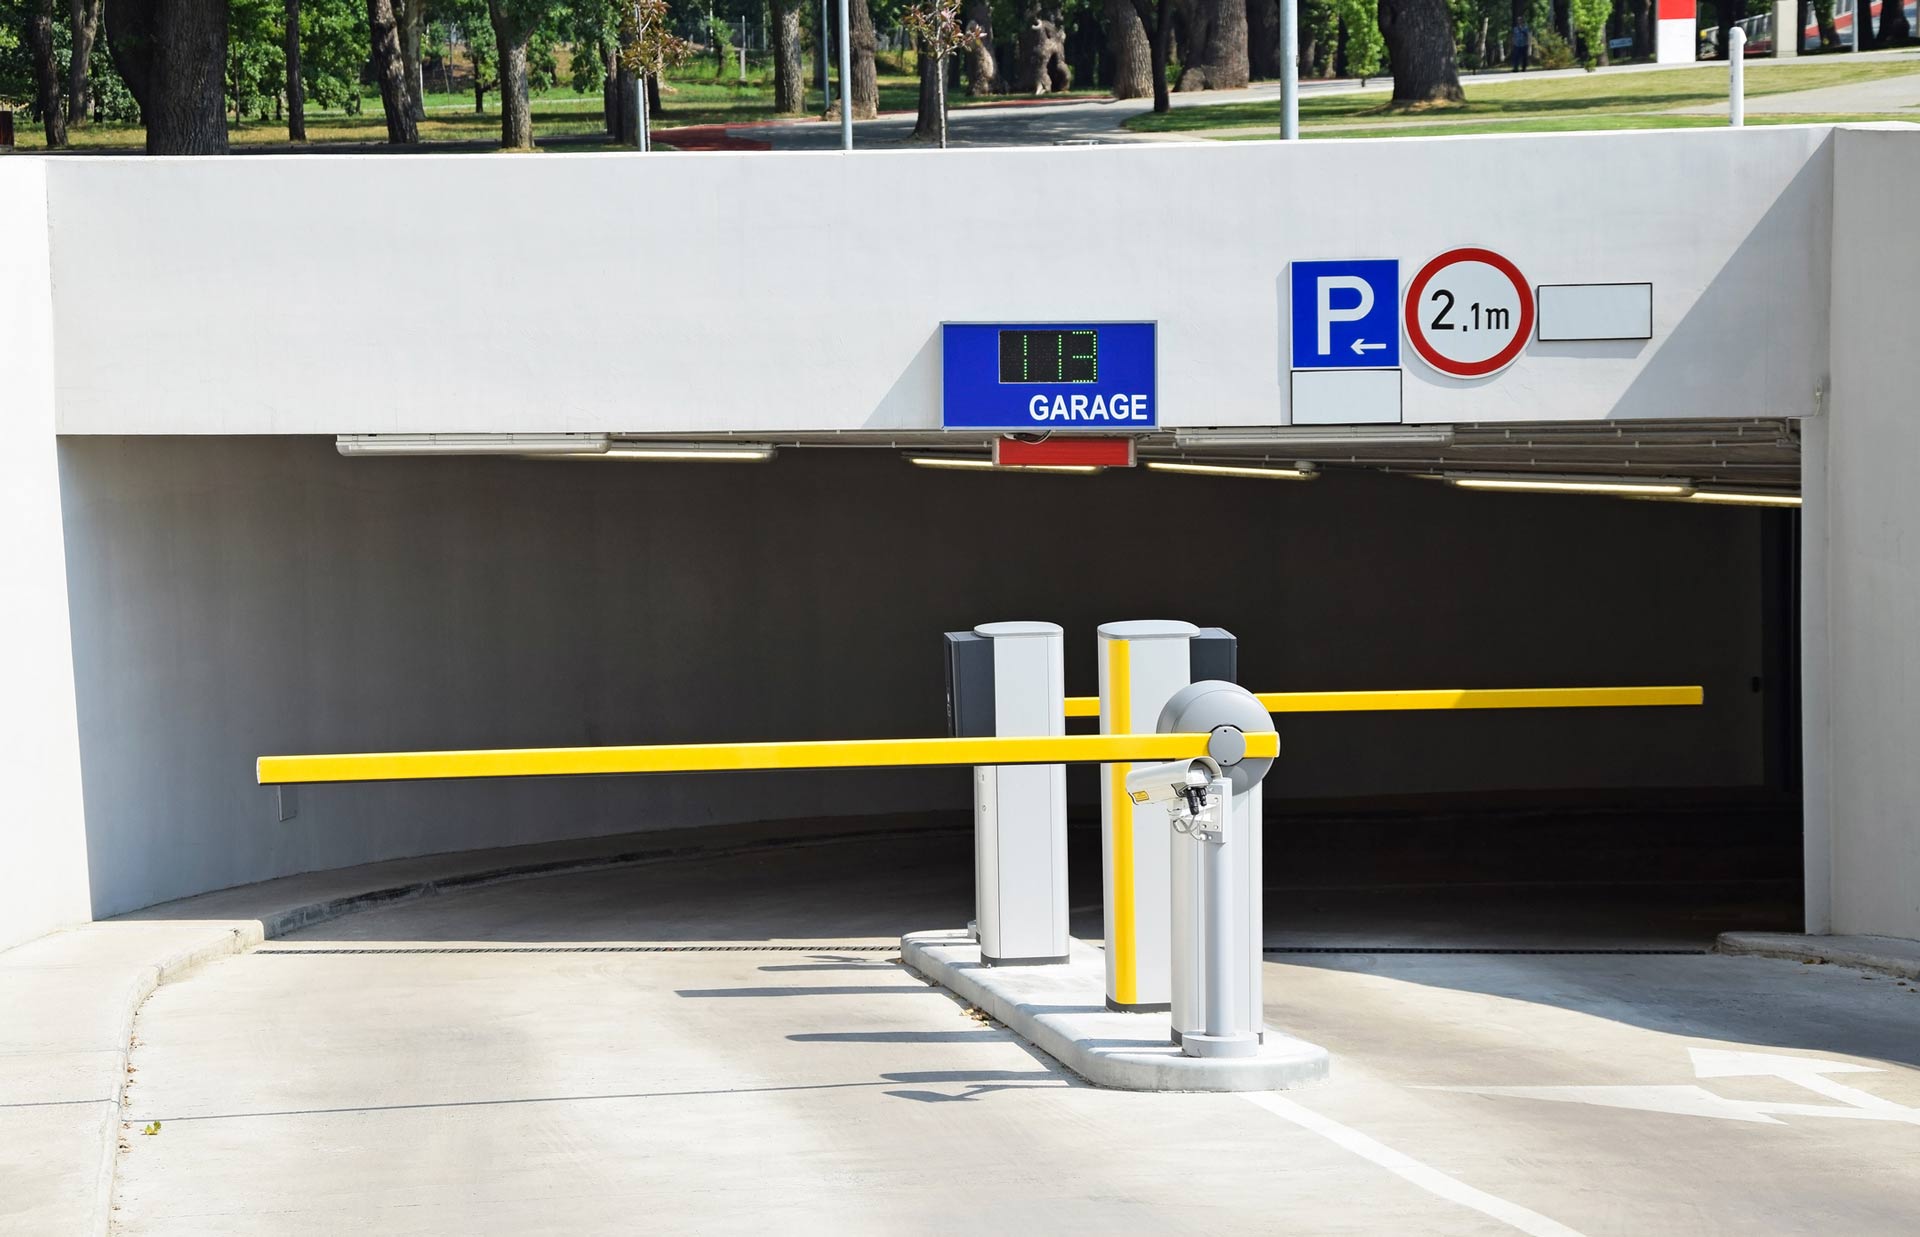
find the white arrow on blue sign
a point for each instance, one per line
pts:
(1346, 314)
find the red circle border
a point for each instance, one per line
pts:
(1475, 369)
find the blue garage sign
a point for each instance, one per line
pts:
(1048, 376)
(1346, 315)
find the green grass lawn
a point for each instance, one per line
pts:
(1587, 94)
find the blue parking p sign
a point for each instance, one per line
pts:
(1346, 315)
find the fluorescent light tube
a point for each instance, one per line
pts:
(1744, 498)
(1281, 437)
(730, 452)
(1662, 486)
(470, 444)
(1234, 470)
(985, 465)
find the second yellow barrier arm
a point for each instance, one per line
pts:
(1454, 698)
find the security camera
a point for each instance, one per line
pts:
(1175, 783)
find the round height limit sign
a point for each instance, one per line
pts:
(1469, 312)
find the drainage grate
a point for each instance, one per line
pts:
(601, 949)
(1487, 949)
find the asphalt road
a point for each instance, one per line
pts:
(528, 1058)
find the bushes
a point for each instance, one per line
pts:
(1550, 51)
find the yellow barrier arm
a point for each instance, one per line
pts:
(1453, 698)
(747, 757)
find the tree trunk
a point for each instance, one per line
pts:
(174, 62)
(789, 78)
(1419, 35)
(296, 87)
(983, 74)
(1726, 25)
(391, 72)
(865, 86)
(510, 35)
(653, 95)
(1132, 55)
(1263, 39)
(1156, 19)
(1894, 27)
(46, 74)
(1219, 43)
(927, 124)
(1823, 13)
(1040, 55)
(85, 15)
(412, 14)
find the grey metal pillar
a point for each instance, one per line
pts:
(1289, 69)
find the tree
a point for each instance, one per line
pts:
(1040, 55)
(935, 24)
(514, 22)
(1263, 39)
(1132, 56)
(1156, 18)
(46, 74)
(1216, 45)
(1894, 27)
(648, 48)
(1420, 51)
(865, 85)
(390, 71)
(1823, 15)
(412, 15)
(983, 74)
(333, 53)
(296, 86)
(256, 57)
(789, 78)
(172, 54)
(85, 18)
(1364, 43)
(1590, 21)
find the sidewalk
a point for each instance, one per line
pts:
(67, 1000)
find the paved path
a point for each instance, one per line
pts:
(554, 1056)
(1040, 124)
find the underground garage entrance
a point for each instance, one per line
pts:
(247, 595)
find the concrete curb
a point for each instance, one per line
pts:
(216, 935)
(1061, 1010)
(1885, 955)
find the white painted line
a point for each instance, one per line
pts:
(1432, 1180)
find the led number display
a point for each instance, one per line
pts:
(1050, 356)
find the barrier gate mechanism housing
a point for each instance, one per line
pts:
(1009, 679)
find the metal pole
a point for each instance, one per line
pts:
(1737, 77)
(1289, 70)
(1217, 893)
(846, 98)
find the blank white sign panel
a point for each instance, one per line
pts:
(1346, 397)
(1574, 311)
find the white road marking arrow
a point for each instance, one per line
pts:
(1690, 1100)
(1361, 347)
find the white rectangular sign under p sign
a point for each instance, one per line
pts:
(1597, 311)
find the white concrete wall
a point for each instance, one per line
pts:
(240, 596)
(1870, 777)
(43, 873)
(805, 291)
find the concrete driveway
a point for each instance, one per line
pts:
(726, 1045)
